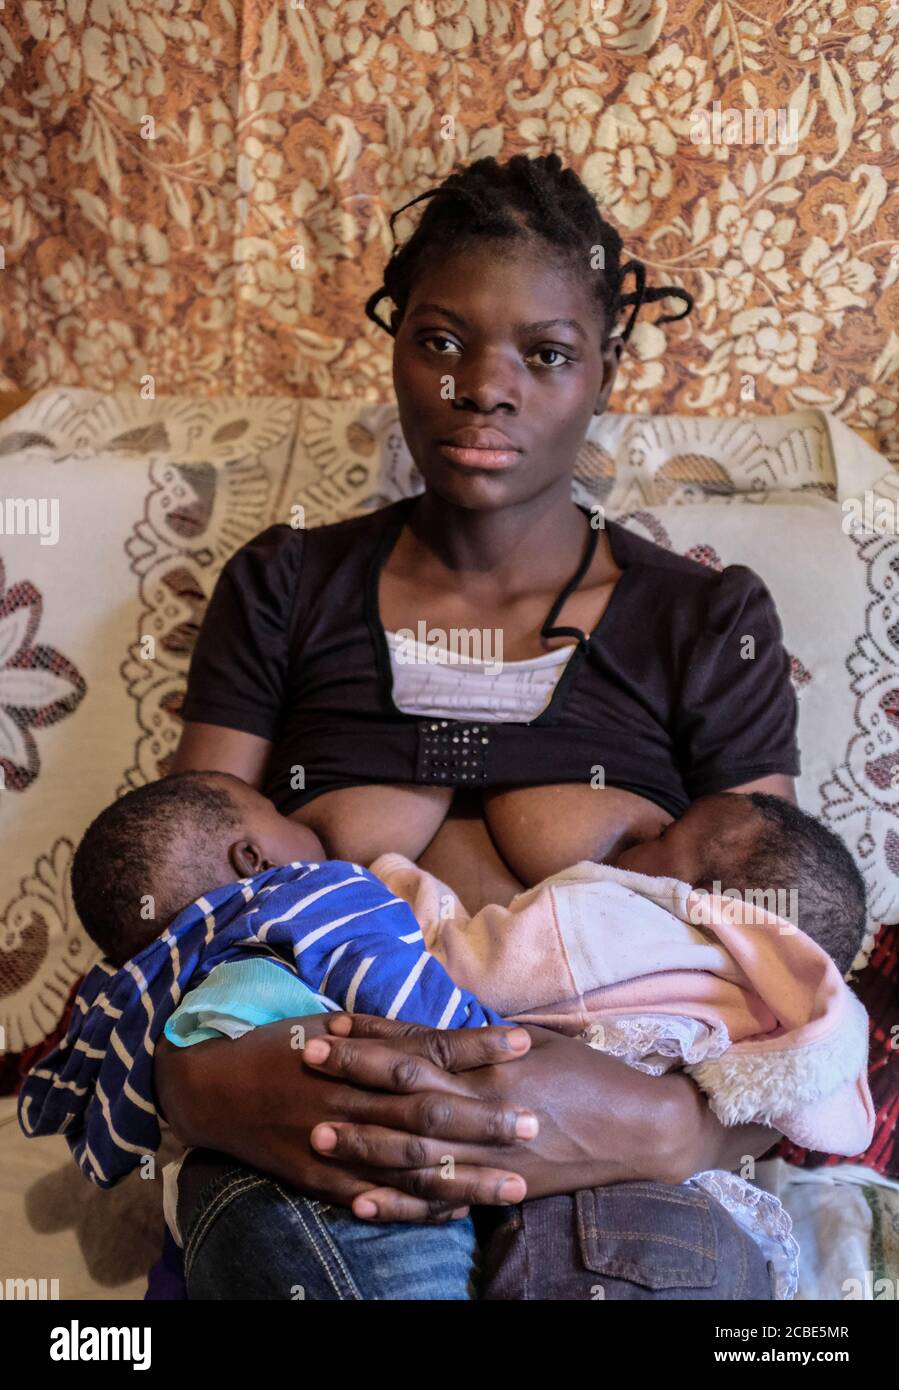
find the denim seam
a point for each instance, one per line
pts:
(229, 1188)
(328, 1241)
(236, 1187)
(669, 1196)
(207, 1192)
(616, 1233)
(741, 1285)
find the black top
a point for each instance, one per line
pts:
(663, 695)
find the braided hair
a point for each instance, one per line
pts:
(513, 200)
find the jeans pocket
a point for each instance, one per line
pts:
(652, 1234)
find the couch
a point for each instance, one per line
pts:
(116, 515)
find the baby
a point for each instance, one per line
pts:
(647, 959)
(196, 883)
(160, 849)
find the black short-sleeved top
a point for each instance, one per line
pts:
(666, 695)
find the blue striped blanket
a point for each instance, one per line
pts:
(334, 925)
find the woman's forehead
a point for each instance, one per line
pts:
(515, 286)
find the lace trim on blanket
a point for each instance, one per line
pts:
(654, 1043)
(763, 1218)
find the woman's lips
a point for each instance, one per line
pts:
(479, 458)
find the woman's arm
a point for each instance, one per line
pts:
(212, 748)
(393, 1102)
(776, 785)
(736, 715)
(237, 683)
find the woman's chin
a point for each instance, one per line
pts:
(470, 487)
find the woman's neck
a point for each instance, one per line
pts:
(530, 537)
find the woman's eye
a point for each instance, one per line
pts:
(557, 352)
(440, 343)
(439, 338)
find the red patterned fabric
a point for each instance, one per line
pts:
(878, 988)
(13, 1066)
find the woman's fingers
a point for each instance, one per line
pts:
(451, 1118)
(389, 1204)
(374, 1065)
(425, 1142)
(452, 1049)
(469, 1187)
(423, 1170)
(424, 1099)
(336, 1186)
(426, 1197)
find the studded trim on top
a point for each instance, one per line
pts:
(452, 753)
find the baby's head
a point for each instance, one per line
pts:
(157, 849)
(774, 855)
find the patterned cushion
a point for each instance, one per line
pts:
(96, 629)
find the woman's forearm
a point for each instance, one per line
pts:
(600, 1121)
(604, 1122)
(686, 1137)
(186, 1092)
(205, 1092)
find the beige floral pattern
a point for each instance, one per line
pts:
(198, 195)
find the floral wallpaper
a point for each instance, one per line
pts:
(194, 193)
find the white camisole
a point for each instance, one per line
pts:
(434, 682)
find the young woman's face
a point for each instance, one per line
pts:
(500, 339)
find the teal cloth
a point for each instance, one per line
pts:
(237, 996)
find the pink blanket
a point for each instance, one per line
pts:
(659, 974)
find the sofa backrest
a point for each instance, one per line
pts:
(116, 515)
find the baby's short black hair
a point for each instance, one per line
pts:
(138, 862)
(793, 850)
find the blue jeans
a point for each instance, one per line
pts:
(248, 1236)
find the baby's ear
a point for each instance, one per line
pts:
(247, 859)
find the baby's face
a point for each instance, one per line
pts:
(278, 839)
(688, 848)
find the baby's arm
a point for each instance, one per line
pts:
(372, 959)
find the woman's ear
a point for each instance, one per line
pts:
(247, 858)
(611, 356)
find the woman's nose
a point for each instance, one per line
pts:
(484, 387)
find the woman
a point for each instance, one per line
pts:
(297, 686)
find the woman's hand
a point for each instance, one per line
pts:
(597, 1122)
(256, 1098)
(600, 1121)
(408, 1123)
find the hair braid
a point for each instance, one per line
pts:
(523, 197)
